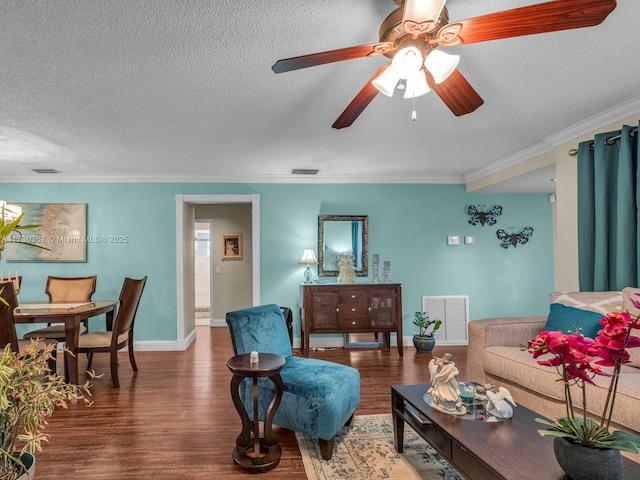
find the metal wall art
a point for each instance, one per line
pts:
(511, 238)
(480, 214)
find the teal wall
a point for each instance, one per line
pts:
(408, 225)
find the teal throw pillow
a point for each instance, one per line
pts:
(566, 318)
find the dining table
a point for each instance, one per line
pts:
(71, 315)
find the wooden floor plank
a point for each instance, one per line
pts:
(175, 419)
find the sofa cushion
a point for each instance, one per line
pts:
(602, 302)
(565, 318)
(519, 367)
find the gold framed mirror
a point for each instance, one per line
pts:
(342, 235)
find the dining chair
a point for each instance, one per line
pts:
(65, 290)
(8, 334)
(122, 333)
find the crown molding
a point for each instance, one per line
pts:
(293, 179)
(613, 115)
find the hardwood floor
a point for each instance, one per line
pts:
(175, 419)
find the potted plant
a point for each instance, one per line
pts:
(424, 341)
(580, 439)
(29, 393)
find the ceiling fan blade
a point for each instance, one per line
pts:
(349, 53)
(420, 16)
(456, 92)
(530, 20)
(359, 102)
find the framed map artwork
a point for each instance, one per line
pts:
(62, 233)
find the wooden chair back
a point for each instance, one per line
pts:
(7, 326)
(70, 289)
(129, 301)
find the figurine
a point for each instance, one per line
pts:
(500, 404)
(444, 390)
(346, 272)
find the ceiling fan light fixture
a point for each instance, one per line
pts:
(407, 61)
(416, 85)
(386, 82)
(441, 65)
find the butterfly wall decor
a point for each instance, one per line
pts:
(513, 239)
(480, 214)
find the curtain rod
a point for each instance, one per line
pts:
(609, 141)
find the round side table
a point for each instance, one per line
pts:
(253, 450)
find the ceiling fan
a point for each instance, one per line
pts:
(411, 34)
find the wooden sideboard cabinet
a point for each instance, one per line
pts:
(351, 308)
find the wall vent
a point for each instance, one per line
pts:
(304, 171)
(45, 170)
(454, 313)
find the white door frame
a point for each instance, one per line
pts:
(181, 200)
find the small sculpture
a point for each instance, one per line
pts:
(444, 390)
(500, 404)
(347, 274)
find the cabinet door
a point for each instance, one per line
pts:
(383, 308)
(324, 307)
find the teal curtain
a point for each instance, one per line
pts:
(355, 244)
(608, 222)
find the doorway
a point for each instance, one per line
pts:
(203, 272)
(185, 271)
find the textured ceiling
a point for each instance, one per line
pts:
(183, 90)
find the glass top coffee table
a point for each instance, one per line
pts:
(506, 450)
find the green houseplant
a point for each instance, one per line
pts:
(424, 341)
(29, 393)
(578, 360)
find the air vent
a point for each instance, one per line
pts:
(45, 170)
(304, 171)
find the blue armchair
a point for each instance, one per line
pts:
(319, 397)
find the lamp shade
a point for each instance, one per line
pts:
(407, 61)
(441, 65)
(386, 82)
(416, 85)
(308, 258)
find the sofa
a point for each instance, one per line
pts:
(495, 356)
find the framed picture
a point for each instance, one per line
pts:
(231, 246)
(62, 232)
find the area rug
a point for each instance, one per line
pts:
(365, 450)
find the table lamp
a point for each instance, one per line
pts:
(308, 258)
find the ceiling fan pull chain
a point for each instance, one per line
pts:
(414, 115)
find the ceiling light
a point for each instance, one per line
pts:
(405, 64)
(441, 65)
(407, 61)
(416, 85)
(386, 81)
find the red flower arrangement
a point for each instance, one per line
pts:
(578, 360)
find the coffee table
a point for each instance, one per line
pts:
(507, 450)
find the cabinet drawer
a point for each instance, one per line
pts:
(353, 316)
(353, 296)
